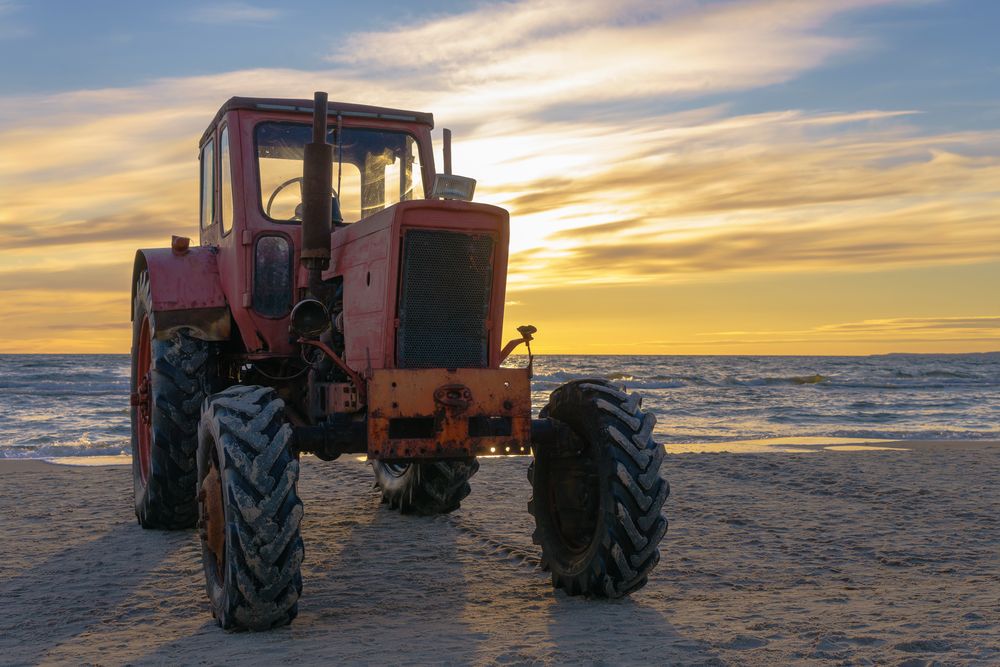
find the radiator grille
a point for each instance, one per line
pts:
(444, 300)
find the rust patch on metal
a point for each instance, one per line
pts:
(213, 515)
(141, 399)
(452, 399)
(454, 396)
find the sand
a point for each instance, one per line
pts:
(820, 557)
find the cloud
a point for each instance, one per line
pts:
(918, 235)
(234, 12)
(123, 325)
(981, 322)
(134, 227)
(765, 193)
(539, 54)
(567, 114)
(977, 328)
(65, 320)
(10, 26)
(112, 277)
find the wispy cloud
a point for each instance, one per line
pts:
(977, 328)
(110, 277)
(234, 12)
(635, 192)
(136, 228)
(766, 193)
(10, 26)
(40, 322)
(529, 55)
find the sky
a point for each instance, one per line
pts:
(683, 177)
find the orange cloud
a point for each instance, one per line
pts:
(564, 115)
(979, 329)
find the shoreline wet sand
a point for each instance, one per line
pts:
(822, 556)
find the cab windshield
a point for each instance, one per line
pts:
(372, 169)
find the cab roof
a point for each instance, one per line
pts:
(306, 107)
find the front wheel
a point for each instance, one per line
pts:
(171, 375)
(597, 493)
(249, 511)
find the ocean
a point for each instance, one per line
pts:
(77, 405)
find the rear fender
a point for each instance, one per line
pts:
(186, 291)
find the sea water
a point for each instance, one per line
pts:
(77, 405)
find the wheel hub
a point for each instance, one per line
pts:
(395, 469)
(143, 399)
(213, 515)
(572, 494)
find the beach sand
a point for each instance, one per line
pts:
(819, 557)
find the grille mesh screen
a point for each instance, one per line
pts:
(444, 300)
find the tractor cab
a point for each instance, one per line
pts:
(252, 157)
(372, 169)
(252, 161)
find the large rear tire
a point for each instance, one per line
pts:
(170, 379)
(425, 488)
(597, 493)
(250, 513)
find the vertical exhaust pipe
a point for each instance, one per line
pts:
(447, 151)
(317, 176)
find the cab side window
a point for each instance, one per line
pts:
(207, 184)
(226, 182)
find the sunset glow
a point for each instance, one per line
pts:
(675, 185)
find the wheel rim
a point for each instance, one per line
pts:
(573, 501)
(212, 514)
(144, 401)
(395, 469)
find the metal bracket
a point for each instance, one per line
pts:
(455, 396)
(527, 335)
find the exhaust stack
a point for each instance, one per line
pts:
(447, 151)
(317, 175)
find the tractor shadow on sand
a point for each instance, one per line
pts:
(625, 631)
(377, 586)
(394, 584)
(83, 586)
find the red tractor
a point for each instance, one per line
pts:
(344, 298)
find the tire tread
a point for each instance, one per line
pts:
(633, 524)
(182, 369)
(264, 545)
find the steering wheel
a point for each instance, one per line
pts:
(298, 209)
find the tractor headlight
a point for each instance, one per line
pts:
(310, 318)
(449, 186)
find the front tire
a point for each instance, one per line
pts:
(250, 513)
(170, 379)
(425, 489)
(597, 493)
